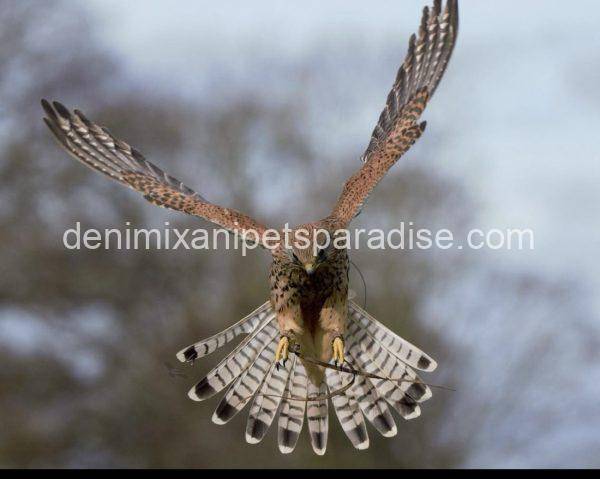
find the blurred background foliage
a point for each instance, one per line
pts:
(87, 338)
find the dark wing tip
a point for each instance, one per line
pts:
(82, 117)
(453, 12)
(56, 133)
(137, 155)
(48, 109)
(424, 19)
(61, 110)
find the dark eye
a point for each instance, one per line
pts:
(321, 255)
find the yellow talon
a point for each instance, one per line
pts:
(338, 350)
(281, 354)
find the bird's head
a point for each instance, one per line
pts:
(309, 247)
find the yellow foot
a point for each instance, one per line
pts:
(338, 350)
(281, 354)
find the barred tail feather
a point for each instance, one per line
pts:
(399, 347)
(236, 362)
(408, 388)
(390, 366)
(396, 370)
(317, 414)
(347, 410)
(374, 407)
(252, 376)
(291, 416)
(209, 345)
(390, 390)
(245, 386)
(266, 402)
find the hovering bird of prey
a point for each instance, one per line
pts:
(309, 322)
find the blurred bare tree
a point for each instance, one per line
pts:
(88, 333)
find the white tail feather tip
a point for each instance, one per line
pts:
(426, 396)
(362, 446)
(192, 395)
(416, 413)
(252, 440)
(181, 356)
(218, 421)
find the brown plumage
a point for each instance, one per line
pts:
(308, 307)
(309, 294)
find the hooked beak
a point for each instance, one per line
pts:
(309, 268)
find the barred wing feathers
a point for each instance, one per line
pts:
(97, 148)
(398, 127)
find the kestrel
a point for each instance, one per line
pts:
(309, 320)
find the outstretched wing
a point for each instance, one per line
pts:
(398, 127)
(96, 147)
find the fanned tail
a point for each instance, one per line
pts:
(251, 376)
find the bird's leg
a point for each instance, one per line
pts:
(337, 346)
(281, 354)
(332, 321)
(289, 319)
(286, 343)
